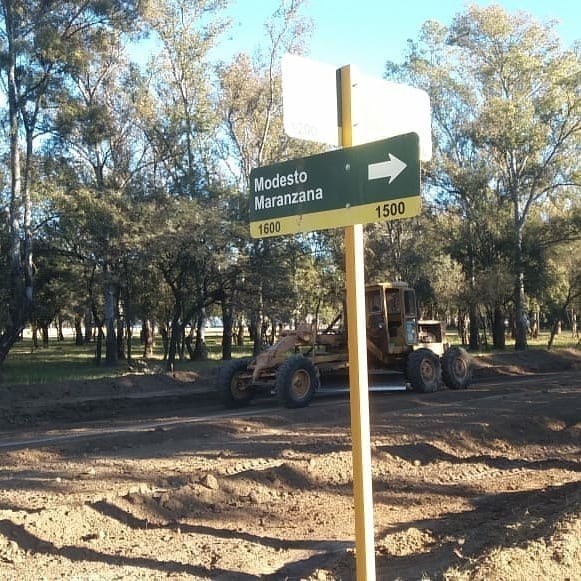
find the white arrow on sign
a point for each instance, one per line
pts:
(390, 168)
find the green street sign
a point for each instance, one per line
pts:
(372, 182)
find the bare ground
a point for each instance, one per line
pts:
(145, 478)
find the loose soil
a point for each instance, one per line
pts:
(146, 477)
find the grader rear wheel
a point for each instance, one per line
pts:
(423, 370)
(456, 368)
(296, 382)
(233, 384)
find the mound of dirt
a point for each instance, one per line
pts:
(526, 362)
(138, 390)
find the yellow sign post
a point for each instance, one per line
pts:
(292, 197)
(358, 379)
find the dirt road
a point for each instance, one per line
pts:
(476, 484)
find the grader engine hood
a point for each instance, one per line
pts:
(432, 336)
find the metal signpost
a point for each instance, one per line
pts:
(358, 379)
(348, 187)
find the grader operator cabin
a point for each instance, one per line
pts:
(396, 341)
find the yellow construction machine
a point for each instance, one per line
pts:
(396, 341)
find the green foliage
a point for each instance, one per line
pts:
(506, 106)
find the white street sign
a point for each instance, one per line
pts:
(380, 108)
(309, 99)
(384, 109)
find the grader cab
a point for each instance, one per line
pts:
(396, 340)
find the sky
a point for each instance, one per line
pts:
(367, 33)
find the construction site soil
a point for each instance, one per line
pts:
(148, 477)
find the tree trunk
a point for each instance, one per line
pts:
(521, 328)
(99, 345)
(78, 330)
(227, 332)
(473, 317)
(16, 307)
(175, 333)
(474, 329)
(498, 330)
(174, 340)
(181, 343)
(200, 349)
(120, 339)
(521, 323)
(240, 333)
(110, 324)
(463, 336)
(59, 325)
(89, 322)
(27, 262)
(44, 333)
(164, 332)
(129, 341)
(147, 338)
(554, 331)
(256, 324)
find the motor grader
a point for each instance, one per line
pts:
(396, 341)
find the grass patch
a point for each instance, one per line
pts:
(541, 342)
(60, 361)
(65, 361)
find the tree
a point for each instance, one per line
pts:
(180, 126)
(251, 108)
(101, 152)
(39, 42)
(529, 123)
(456, 179)
(552, 245)
(565, 293)
(506, 104)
